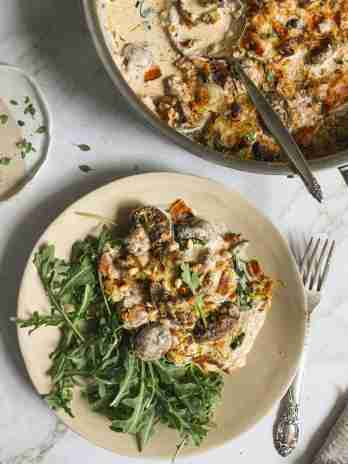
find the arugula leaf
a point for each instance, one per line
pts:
(147, 429)
(130, 368)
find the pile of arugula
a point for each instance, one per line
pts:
(96, 353)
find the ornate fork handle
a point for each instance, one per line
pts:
(287, 427)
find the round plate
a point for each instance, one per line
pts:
(251, 391)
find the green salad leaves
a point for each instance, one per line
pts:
(95, 354)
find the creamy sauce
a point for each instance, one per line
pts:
(162, 35)
(126, 26)
(12, 174)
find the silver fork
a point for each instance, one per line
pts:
(314, 267)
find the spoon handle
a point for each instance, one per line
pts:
(280, 133)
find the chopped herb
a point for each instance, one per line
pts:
(41, 130)
(27, 100)
(21, 123)
(3, 119)
(199, 242)
(237, 341)
(25, 147)
(85, 168)
(199, 305)
(191, 279)
(83, 147)
(14, 102)
(243, 289)
(30, 109)
(5, 161)
(250, 137)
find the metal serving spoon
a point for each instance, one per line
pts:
(268, 114)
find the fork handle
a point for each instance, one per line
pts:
(287, 427)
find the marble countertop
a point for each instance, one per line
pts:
(48, 39)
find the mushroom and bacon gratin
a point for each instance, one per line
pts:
(151, 320)
(296, 51)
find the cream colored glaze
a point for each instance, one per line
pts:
(12, 174)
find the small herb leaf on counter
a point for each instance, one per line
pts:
(4, 161)
(41, 130)
(3, 119)
(84, 147)
(85, 168)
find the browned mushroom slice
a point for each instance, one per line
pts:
(156, 224)
(196, 229)
(153, 342)
(217, 324)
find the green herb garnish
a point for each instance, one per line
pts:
(14, 102)
(5, 161)
(85, 168)
(3, 119)
(25, 147)
(237, 341)
(21, 123)
(84, 147)
(190, 278)
(29, 108)
(41, 130)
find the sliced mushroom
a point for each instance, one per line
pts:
(196, 229)
(218, 324)
(156, 223)
(153, 342)
(139, 62)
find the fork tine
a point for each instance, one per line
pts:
(310, 262)
(326, 266)
(307, 250)
(318, 267)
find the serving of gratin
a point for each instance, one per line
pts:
(296, 52)
(188, 288)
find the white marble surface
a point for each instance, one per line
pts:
(48, 39)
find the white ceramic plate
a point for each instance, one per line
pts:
(251, 391)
